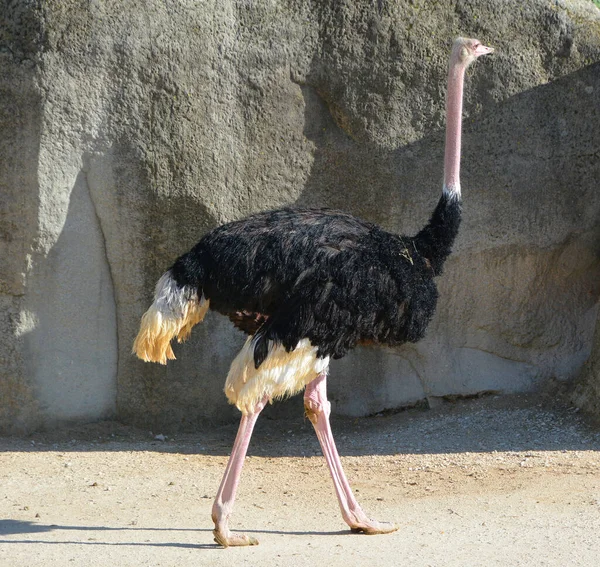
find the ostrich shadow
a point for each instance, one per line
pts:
(20, 527)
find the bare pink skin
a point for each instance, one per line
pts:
(223, 504)
(464, 52)
(318, 409)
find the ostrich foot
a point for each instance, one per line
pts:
(373, 527)
(228, 539)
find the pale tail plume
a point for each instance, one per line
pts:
(173, 314)
(281, 374)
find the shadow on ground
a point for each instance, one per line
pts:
(494, 423)
(16, 527)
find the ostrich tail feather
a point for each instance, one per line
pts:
(173, 313)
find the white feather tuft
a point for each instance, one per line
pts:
(452, 191)
(280, 375)
(173, 313)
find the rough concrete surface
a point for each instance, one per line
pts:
(494, 482)
(586, 393)
(130, 129)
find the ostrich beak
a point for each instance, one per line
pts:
(483, 50)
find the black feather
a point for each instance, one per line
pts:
(435, 240)
(325, 275)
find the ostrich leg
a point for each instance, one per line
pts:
(318, 409)
(223, 505)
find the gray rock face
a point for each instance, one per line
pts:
(130, 129)
(586, 394)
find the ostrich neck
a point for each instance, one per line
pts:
(454, 101)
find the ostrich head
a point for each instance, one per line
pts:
(466, 50)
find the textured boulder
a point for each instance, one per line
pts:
(586, 394)
(130, 129)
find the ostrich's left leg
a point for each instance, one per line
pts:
(318, 409)
(223, 505)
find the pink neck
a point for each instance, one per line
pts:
(454, 99)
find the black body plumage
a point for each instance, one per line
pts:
(325, 275)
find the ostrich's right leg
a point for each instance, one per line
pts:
(223, 505)
(318, 409)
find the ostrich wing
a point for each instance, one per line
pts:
(336, 310)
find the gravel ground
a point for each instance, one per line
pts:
(501, 481)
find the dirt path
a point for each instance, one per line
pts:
(481, 483)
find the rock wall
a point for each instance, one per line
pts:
(130, 129)
(20, 125)
(586, 393)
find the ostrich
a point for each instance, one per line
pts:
(307, 285)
